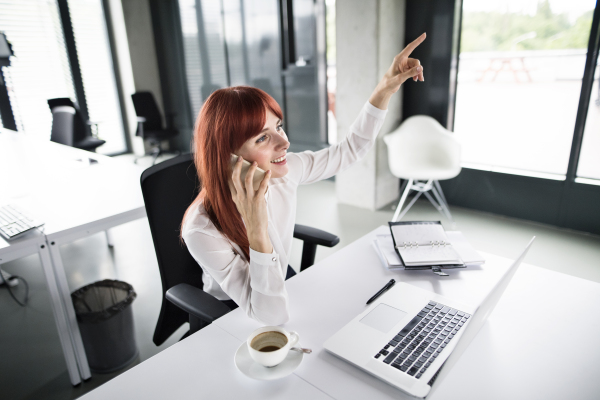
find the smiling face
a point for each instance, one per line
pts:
(268, 148)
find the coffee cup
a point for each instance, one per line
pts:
(269, 345)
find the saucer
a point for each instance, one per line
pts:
(254, 370)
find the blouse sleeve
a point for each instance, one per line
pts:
(315, 166)
(257, 287)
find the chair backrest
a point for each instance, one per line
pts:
(420, 143)
(80, 129)
(63, 121)
(145, 106)
(168, 189)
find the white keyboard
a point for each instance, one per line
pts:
(14, 222)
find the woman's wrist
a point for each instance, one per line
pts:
(260, 243)
(381, 96)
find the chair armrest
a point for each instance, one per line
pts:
(141, 119)
(196, 302)
(315, 236)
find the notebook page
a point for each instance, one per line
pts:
(419, 232)
(424, 234)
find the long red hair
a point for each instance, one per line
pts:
(228, 118)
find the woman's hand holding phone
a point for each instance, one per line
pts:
(252, 205)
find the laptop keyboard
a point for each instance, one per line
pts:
(418, 344)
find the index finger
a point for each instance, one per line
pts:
(413, 45)
(235, 176)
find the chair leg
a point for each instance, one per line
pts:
(441, 193)
(407, 189)
(413, 201)
(156, 152)
(443, 204)
(432, 201)
(109, 239)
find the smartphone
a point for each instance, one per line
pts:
(259, 174)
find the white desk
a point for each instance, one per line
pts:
(74, 200)
(539, 343)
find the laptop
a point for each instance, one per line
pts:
(408, 334)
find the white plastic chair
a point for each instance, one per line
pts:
(423, 152)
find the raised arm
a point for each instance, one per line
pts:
(403, 68)
(308, 167)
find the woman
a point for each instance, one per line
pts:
(242, 237)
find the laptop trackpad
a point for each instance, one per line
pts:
(383, 318)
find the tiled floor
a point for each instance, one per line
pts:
(31, 361)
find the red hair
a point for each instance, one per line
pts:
(228, 118)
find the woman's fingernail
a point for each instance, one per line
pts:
(419, 69)
(254, 163)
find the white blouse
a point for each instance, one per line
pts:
(258, 286)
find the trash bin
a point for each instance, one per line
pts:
(105, 320)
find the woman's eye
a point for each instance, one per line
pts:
(279, 127)
(261, 139)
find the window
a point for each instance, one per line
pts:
(589, 162)
(95, 61)
(519, 82)
(40, 69)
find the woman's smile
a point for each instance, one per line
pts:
(280, 161)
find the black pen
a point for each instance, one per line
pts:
(382, 291)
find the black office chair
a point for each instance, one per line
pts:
(150, 126)
(69, 127)
(168, 189)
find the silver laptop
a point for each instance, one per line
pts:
(408, 334)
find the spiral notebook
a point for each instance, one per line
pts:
(422, 243)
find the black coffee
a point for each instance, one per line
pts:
(269, 348)
(269, 341)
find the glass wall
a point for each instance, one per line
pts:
(519, 82)
(589, 160)
(95, 61)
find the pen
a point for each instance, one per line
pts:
(382, 291)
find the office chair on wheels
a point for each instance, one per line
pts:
(423, 152)
(168, 189)
(150, 126)
(70, 128)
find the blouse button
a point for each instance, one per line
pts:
(274, 259)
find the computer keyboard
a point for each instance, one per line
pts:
(418, 344)
(14, 222)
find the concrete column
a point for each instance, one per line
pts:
(369, 35)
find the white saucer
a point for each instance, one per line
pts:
(253, 370)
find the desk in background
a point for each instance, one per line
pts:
(75, 199)
(539, 343)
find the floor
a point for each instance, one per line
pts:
(31, 361)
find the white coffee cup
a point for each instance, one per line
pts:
(274, 347)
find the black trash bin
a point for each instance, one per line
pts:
(105, 321)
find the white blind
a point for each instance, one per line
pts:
(191, 51)
(95, 62)
(40, 68)
(215, 43)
